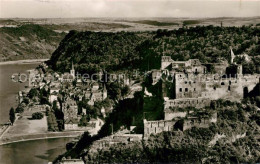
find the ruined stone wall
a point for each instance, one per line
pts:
(199, 122)
(220, 68)
(187, 102)
(188, 85)
(154, 127)
(213, 87)
(199, 69)
(114, 139)
(230, 88)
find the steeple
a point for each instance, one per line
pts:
(72, 66)
(72, 71)
(232, 56)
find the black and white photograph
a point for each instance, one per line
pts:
(129, 81)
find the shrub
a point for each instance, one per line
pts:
(37, 116)
(19, 109)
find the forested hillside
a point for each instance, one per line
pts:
(92, 51)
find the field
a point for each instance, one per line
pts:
(22, 39)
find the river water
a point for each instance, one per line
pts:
(29, 152)
(9, 89)
(33, 152)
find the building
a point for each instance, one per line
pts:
(71, 124)
(96, 94)
(95, 125)
(194, 86)
(68, 77)
(70, 109)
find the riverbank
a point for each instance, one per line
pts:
(26, 129)
(39, 136)
(28, 61)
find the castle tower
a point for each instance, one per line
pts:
(72, 71)
(232, 56)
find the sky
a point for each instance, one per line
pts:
(128, 8)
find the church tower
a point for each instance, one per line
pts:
(104, 95)
(232, 56)
(72, 71)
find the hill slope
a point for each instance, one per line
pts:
(28, 42)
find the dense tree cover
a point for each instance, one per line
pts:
(12, 115)
(193, 145)
(37, 116)
(92, 51)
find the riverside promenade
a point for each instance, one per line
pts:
(26, 129)
(29, 137)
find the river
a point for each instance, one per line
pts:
(33, 152)
(9, 89)
(29, 152)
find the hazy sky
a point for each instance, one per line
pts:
(128, 8)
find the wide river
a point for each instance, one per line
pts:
(29, 152)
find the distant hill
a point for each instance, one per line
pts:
(28, 41)
(38, 38)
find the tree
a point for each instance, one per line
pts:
(19, 109)
(12, 115)
(125, 90)
(32, 93)
(83, 121)
(26, 100)
(52, 122)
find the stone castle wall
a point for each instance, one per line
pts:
(154, 127)
(233, 89)
(199, 123)
(187, 102)
(114, 139)
(205, 86)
